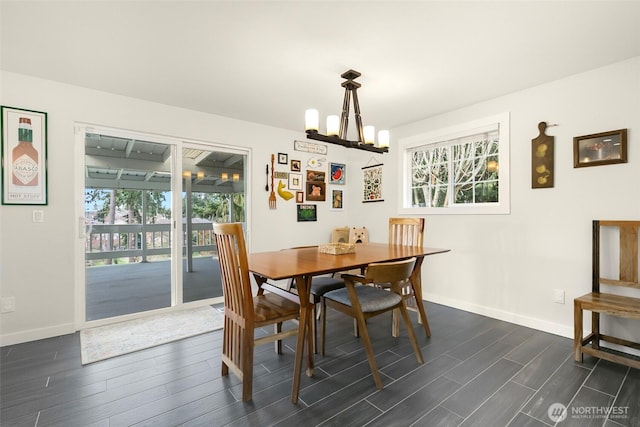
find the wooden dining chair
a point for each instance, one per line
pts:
(319, 286)
(243, 313)
(408, 232)
(363, 302)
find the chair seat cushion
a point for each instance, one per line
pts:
(371, 299)
(321, 285)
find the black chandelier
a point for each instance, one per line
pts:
(337, 128)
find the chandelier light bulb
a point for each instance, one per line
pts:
(383, 138)
(333, 125)
(369, 134)
(311, 120)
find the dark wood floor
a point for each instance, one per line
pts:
(477, 372)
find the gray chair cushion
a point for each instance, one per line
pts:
(371, 299)
(320, 285)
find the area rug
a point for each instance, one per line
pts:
(104, 342)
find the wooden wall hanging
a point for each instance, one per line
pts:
(542, 174)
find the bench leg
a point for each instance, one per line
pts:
(577, 331)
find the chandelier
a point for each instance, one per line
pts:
(337, 127)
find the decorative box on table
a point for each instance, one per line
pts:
(337, 248)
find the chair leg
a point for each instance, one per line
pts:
(247, 369)
(395, 324)
(277, 328)
(412, 335)
(323, 315)
(314, 328)
(577, 332)
(595, 328)
(366, 341)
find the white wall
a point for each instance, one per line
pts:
(37, 261)
(507, 266)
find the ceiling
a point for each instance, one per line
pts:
(115, 162)
(267, 61)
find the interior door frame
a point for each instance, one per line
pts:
(177, 144)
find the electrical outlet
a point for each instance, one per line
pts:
(558, 296)
(38, 215)
(7, 305)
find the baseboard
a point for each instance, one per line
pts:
(36, 334)
(507, 316)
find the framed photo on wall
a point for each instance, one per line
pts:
(337, 200)
(337, 173)
(307, 213)
(604, 148)
(24, 154)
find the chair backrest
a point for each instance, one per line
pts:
(390, 272)
(234, 270)
(406, 231)
(627, 254)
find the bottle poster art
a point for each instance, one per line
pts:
(24, 154)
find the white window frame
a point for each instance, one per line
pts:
(447, 134)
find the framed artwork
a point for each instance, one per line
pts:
(283, 158)
(337, 200)
(24, 157)
(307, 213)
(299, 197)
(372, 181)
(315, 176)
(296, 166)
(597, 149)
(316, 191)
(295, 181)
(337, 173)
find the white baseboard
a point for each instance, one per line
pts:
(36, 334)
(507, 316)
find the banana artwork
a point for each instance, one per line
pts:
(287, 195)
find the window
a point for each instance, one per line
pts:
(463, 169)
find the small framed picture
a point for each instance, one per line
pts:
(307, 213)
(24, 156)
(315, 176)
(597, 149)
(337, 173)
(295, 181)
(296, 166)
(337, 200)
(316, 191)
(299, 196)
(283, 158)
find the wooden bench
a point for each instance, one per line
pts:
(608, 303)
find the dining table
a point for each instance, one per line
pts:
(303, 263)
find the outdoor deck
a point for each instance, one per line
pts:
(120, 289)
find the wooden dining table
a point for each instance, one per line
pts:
(301, 264)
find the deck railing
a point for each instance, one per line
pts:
(108, 241)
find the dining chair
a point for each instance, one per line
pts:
(320, 285)
(408, 232)
(363, 302)
(244, 313)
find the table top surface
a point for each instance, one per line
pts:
(289, 263)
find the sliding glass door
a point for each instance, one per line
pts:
(149, 206)
(213, 190)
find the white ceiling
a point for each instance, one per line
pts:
(268, 61)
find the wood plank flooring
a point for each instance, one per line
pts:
(477, 372)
